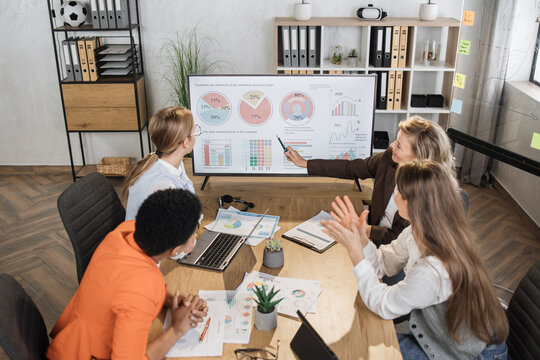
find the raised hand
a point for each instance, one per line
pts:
(295, 157)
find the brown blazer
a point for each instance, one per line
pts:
(382, 169)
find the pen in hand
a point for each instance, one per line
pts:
(282, 145)
(205, 329)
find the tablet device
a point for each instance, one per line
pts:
(307, 344)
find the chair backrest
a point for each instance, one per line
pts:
(90, 209)
(23, 334)
(524, 317)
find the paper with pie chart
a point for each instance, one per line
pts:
(297, 294)
(240, 223)
(238, 316)
(320, 116)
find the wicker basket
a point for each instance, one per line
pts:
(114, 166)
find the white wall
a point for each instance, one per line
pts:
(32, 125)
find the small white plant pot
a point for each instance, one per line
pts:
(352, 62)
(265, 322)
(428, 12)
(302, 12)
(273, 259)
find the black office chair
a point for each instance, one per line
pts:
(524, 317)
(90, 209)
(23, 334)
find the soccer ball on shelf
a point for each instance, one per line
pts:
(74, 13)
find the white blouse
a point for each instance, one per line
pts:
(426, 280)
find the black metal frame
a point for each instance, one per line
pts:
(495, 152)
(535, 59)
(130, 79)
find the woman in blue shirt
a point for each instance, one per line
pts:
(173, 132)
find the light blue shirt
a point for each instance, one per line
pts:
(160, 176)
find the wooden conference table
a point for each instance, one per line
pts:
(342, 319)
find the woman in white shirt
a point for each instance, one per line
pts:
(173, 133)
(454, 313)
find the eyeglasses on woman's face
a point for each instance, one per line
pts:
(198, 131)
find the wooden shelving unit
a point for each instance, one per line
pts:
(110, 104)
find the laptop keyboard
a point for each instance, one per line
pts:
(219, 249)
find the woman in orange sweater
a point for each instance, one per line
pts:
(123, 291)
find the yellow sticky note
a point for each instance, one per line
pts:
(468, 18)
(459, 80)
(464, 47)
(535, 143)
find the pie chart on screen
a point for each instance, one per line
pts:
(297, 108)
(214, 108)
(255, 108)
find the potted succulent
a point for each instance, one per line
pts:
(428, 11)
(273, 253)
(337, 57)
(266, 313)
(302, 11)
(352, 60)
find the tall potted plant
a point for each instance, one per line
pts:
(266, 313)
(302, 11)
(428, 11)
(187, 54)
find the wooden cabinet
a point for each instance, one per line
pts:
(418, 78)
(105, 107)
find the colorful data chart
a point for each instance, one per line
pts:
(234, 224)
(303, 147)
(297, 109)
(255, 108)
(345, 154)
(214, 108)
(257, 154)
(217, 152)
(344, 107)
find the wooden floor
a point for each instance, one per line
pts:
(35, 249)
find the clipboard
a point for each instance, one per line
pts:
(309, 234)
(308, 344)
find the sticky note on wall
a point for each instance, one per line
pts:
(468, 18)
(464, 47)
(459, 80)
(457, 105)
(535, 143)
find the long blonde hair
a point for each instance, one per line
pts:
(167, 129)
(439, 226)
(429, 141)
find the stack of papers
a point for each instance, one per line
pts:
(297, 294)
(232, 221)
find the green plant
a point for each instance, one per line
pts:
(187, 54)
(274, 245)
(353, 53)
(265, 301)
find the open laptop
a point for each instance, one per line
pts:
(215, 250)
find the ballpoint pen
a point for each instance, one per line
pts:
(205, 329)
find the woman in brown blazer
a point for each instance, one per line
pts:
(417, 138)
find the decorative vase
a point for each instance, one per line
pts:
(302, 11)
(265, 321)
(273, 259)
(428, 12)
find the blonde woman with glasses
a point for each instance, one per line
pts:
(454, 313)
(173, 133)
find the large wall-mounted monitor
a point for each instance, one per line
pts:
(320, 116)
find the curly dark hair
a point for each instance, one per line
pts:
(166, 219)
